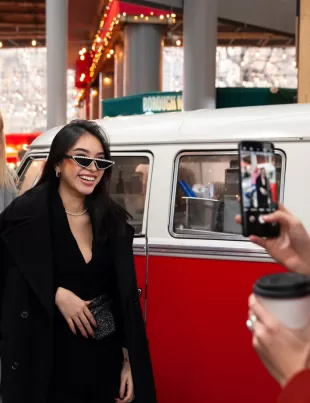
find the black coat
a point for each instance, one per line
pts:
(27, 302)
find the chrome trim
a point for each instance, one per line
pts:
(212, 234)
(206, 252)
(139, 249)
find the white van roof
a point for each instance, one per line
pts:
(285, 122)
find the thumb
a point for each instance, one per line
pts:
(281, 217)
(87, 302)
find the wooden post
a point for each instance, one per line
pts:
(303, 50)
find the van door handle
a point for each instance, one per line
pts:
(140, 292)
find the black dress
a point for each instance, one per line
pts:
(84, 370)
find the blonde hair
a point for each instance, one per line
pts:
(6, 177)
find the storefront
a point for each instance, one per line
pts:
(16, 146)
(159, 102)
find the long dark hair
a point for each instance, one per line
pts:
(106, 216)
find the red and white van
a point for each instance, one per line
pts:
(194, 268)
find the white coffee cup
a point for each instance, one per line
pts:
(286, 296)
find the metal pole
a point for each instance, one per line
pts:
(118, 71)
(303, 51)
(56, 43)
(200, 40)
(142, 58)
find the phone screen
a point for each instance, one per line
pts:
(259, 194)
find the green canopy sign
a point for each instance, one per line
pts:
(159, 102)
(162, 103)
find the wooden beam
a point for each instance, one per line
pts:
(21, 36)
(21, 25)
(250, 36)
(22, 4)
(303, 48)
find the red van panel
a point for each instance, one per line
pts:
(200, 346)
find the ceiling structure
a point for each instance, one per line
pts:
(22, 22)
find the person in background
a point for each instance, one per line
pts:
(262, 189)
(8, 190)
(284, 352)
(71, 322)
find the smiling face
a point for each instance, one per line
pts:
(73, 177)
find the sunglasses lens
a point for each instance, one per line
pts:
(102, 164)
(84, 162)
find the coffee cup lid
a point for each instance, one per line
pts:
(282, 285)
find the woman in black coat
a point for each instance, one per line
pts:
(71, 324)
(263, 190)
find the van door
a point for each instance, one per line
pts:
(200, 274)
(129, 187)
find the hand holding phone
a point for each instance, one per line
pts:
(258, 188)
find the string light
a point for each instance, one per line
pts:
(178, 42)
(98, 51)
(1, 44)
(107, 80)
(34, 42)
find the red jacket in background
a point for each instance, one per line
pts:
(297, 390)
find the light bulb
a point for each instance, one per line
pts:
(34, 42)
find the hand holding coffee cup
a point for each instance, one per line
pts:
(292, 247)
(286, 296)
(280, 338)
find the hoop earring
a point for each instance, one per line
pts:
(57, 174)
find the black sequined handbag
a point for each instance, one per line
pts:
(101, 309)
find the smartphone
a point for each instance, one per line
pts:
(258, 188)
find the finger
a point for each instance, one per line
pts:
(87, 302)
(129, 394)
(90, 317)
(86, 324)
(251, 301)
(281, 218)
(265, 317)
(238, 219)
(71, 325)
(80, 326)
(258, 241)
(122, 389)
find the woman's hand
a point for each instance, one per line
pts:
(292, 247)
(283, 351)
(126, 391)
(75, 311)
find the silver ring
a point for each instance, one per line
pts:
(251, 322)
(249, 325)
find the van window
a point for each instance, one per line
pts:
(128, 187)
(206, 191)
(30, 174)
